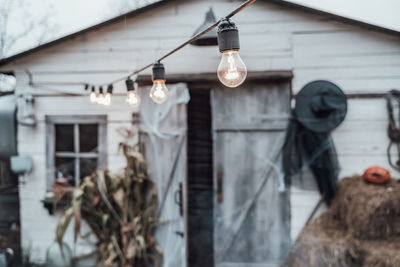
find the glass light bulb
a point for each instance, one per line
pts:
(107, 99)
(159, 92)
(100, 99)
(231, 70)
(93, 97)
(133, 99)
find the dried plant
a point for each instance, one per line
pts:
(121, 210)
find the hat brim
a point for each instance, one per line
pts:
(307, 117)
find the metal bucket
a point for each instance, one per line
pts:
(88, 260)
(56, 258)
(3, 258)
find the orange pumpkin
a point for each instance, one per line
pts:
(376, 175)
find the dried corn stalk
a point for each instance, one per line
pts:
(121, 211)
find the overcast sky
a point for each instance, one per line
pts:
(73, 15)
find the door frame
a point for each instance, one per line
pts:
(202, 80)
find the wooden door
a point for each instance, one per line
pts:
(251, 216)
(164, 136)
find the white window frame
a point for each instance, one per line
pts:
(101, 155)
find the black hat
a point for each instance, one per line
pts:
(321, 106)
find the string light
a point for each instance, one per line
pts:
(100, 96)
(92, 96)
(231, 70)
(132, 98)
(159, 92)
(107, 98)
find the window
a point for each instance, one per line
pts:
(76, 146)
(7, 178)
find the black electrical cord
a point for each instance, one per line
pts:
(194, 38)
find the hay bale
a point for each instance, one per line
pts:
(361, 228)
(368, 211)
(323, 243)
(383, 253)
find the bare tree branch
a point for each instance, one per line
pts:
(31, 25)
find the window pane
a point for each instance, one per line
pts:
(65, 137)
(87, 166)
(65, 168)
(88, 137)
(7, 177)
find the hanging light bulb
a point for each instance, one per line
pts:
(100, 96)
(107, 97)
(92, 96)
(231, 70)
(159, 92)
(132, 98)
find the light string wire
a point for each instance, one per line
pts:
(194, 38)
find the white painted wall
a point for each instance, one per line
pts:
(272, 38)
(38, 227)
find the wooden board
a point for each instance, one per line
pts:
(251, 217)
(163, 136)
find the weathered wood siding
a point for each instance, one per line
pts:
(272, 38)
(38, 227)
(251, 217)
(163, 136)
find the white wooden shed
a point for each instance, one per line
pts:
(227, 139)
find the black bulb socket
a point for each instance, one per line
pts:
(110, 89)
(158, 71)
(129, 84)
(101, 90)
(228, 36)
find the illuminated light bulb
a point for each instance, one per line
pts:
(159, 92)
(100, 96)
(107, 97)
(232, 71)
(92, 96)
(132, 98)
(100, 99)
